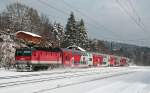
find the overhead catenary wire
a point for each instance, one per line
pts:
(131, 16)
(138, 23)
(136, 13)
(91, 19)
(77, 10)
(50, 6)
(96, 25)
(119, 38)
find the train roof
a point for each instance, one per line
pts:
(77, 48)
(40, 48)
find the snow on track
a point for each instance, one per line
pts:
(33, 78)
(45, 82)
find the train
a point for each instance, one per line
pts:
(35, 58)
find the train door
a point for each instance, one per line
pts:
(105, 60)
(77, 58)
(117, 61)
(89, 59)
(100, 59)
(84, 59)
(66, 58)
(112, 61)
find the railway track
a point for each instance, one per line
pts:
(50, 78)
(86, 81)
(7, 84)
(40, 74)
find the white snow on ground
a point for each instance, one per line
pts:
(90, 80)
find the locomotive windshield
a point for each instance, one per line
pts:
(23, 52)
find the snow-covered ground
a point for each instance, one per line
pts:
(89, 80)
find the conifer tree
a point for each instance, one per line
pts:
(58, 32)
(82, 37)
(70, 33)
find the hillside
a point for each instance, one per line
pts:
(138, 55)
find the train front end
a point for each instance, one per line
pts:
(23, 59)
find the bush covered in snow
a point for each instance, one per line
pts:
(7, 50)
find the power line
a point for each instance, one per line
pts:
(130, 15)
(50, 6)
(88, 18)
(91, 18)
(140, 25)
(136, 13)
(96, 21)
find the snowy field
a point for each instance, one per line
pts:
(85, 80)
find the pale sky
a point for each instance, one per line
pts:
(126, 21)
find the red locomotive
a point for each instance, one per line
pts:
(35, 58)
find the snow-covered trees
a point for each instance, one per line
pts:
(75, 33)
(46, 28)
(7, 50)
(21, 17)
(71, 31)
(18, 17)
(58, 32)
(97, 46)
(82, 39)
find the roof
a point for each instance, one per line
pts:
(29, 33)
(81, 48)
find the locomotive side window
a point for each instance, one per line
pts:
(18, 53)
(23, 52)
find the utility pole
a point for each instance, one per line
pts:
(111, 47)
